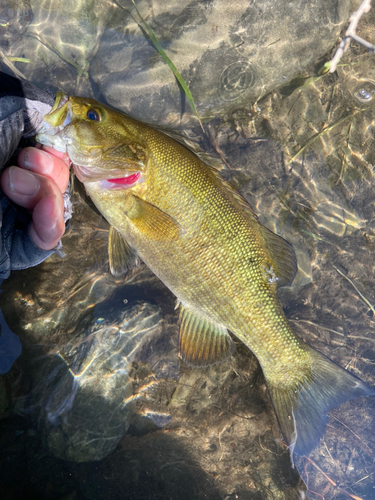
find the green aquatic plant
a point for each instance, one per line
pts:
(175, 71)
(54, 49)
(19, 59)
(301, 82)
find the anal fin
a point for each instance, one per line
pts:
(202, 343)
(121, 257)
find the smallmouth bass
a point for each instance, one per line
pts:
(205, 243)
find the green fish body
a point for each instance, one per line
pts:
(205, 243)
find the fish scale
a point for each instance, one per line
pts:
(204, 242)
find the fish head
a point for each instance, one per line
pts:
(100, 141)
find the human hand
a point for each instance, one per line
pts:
(38, 184)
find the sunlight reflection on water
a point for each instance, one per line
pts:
(219, 420)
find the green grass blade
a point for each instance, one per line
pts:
(176, 73)
(19, 59)
(54, 49)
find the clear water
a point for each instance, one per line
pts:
(98, 405)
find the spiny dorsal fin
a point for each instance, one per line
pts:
(240, 200)
(121, 257)
(152, 221)
(301, 409)
(282, 256)
(202, 343)
(209, 159)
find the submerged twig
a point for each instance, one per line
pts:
(319, 134)
(356, 289)
(7, 61)
(369, 451)
(340, 490)
(363, 478)
(351, 34)
(318, 326)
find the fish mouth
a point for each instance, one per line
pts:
(54, 122)
(85, 165)
(117, 177)
(122, 183)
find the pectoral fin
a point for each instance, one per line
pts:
(202, 343)
(152, 221)
(121, 257)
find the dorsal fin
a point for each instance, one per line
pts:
(281, 254)
(282, 257)
(238, 198)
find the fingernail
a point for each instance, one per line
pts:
(58, 210)
(38, 158)
(23, 182)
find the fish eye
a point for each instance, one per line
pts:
(93, 115)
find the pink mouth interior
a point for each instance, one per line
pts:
(126, 181)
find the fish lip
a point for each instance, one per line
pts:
(52, 133)
(61, 100)
(55, 121)
(109, 186)
(94, 174)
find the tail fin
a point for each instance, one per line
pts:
(302, 411)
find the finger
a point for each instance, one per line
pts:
(40, 194)
(46, 164)
(48, 224)
(54, 152)
(26, 188)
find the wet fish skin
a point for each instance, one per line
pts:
(202, 239)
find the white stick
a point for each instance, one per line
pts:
(351, 34)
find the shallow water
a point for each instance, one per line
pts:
(99, 405)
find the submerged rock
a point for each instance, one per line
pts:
(15, 17)
(81, 396)
(228, 54)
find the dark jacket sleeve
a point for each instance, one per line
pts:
(22, 108)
